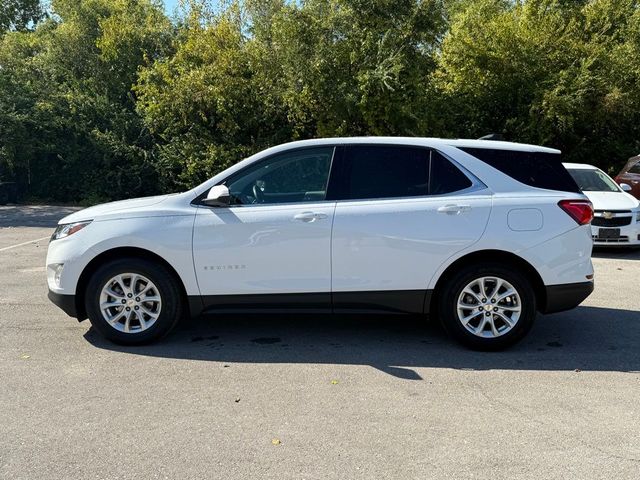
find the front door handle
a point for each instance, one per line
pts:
(454, 209)
(309, 217)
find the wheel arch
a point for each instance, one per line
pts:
(121, 252)
(487, 256)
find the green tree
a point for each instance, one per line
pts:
(357, 67)
(258, 73)
(68, 90)
(110, 98)
(202, 103)
(545, 71)
(19, 15)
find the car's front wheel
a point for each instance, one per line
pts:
(133, 301)
(487, 307)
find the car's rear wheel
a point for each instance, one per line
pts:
(133, 301)
(487, 307)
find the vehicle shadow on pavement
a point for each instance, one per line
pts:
(617, 253)
(585, 339)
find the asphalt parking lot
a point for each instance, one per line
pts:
(293, 397)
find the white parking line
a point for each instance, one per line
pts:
(24, 243)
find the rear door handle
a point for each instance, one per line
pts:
(454, 209)
(309, 217)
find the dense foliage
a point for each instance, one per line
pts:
(104, 99)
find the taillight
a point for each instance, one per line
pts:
(580, 210)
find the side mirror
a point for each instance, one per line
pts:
(625, 187)
(218, 196)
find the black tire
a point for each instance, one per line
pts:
(167, 288)
(453, 288)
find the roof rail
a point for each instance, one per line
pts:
(493, 136)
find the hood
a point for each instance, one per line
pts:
(120, 209)
(612, 200)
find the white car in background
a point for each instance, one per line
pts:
(616, 220)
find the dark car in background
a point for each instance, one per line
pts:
(630, 175)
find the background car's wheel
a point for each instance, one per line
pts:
(133, 301)
(487, 307)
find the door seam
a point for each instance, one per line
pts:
(333, 219)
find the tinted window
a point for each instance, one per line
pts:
(386, 171)
(298, 176)
(536, 169)
(380, 171)
(635, 168)
(445, 176)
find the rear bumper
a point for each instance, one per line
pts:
(566, 296)
(66, 302)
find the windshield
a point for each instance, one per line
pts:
(593, 180)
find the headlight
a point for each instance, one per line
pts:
(68, 229)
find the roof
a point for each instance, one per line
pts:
(425, 141)
(499, 145)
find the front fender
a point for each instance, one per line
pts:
(168, 237)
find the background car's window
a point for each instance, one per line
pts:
(445, 177)
(383, 171)
(386, 171)
(593, 180)
(536, 169)
(298, 176)
(635, 168)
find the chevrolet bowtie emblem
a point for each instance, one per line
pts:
(607, 215)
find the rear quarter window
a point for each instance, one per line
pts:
(445, 177)
(536, 169)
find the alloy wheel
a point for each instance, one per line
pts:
(489, 307)
(130, 303)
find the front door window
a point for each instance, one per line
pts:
(292, 177)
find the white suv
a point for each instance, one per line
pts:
(481, 234)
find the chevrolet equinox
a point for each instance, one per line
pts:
(479, 234)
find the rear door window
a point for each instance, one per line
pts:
(381, 171)
(389, 171)
(536, 169)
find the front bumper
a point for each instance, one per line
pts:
(566, 296)
(629, 236)
(67, 303)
